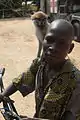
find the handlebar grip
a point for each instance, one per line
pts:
(2, 71)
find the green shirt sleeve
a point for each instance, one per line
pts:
(25, 82)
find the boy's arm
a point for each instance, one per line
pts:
(8, 91)
(24, 82)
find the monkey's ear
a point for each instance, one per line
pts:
(49, 19)
(39, 14)
(33, 16)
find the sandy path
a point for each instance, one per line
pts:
(18, 47)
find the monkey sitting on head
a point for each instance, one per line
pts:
(40, 20)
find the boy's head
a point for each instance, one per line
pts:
(58, 41)
(40, 18)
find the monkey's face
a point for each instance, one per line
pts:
(40, 22)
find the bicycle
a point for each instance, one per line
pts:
(8, 111)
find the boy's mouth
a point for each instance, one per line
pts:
(51, 55)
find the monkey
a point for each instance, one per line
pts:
(40, 20)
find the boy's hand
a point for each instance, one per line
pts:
(4, 98)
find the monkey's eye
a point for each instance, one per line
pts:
(43, 19)
(40, 19)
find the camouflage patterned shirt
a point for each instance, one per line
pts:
(62, 93)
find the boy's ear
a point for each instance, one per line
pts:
(71, 48)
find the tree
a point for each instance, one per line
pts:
(10, 4)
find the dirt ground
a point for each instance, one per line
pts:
(18, 47)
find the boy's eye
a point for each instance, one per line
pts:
(49, 39)
(61, 42)
(43, 19)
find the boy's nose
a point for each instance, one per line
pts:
(52, 47)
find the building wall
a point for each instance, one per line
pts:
(48, 7)
(45, 6)
(42, 5)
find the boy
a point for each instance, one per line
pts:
(57, 83)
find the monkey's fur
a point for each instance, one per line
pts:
(40, 20)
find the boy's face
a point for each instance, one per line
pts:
(56, 46)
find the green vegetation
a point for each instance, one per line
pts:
(9, 4)
(17, 8)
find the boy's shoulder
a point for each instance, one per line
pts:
(69, 67)
(76, 71)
